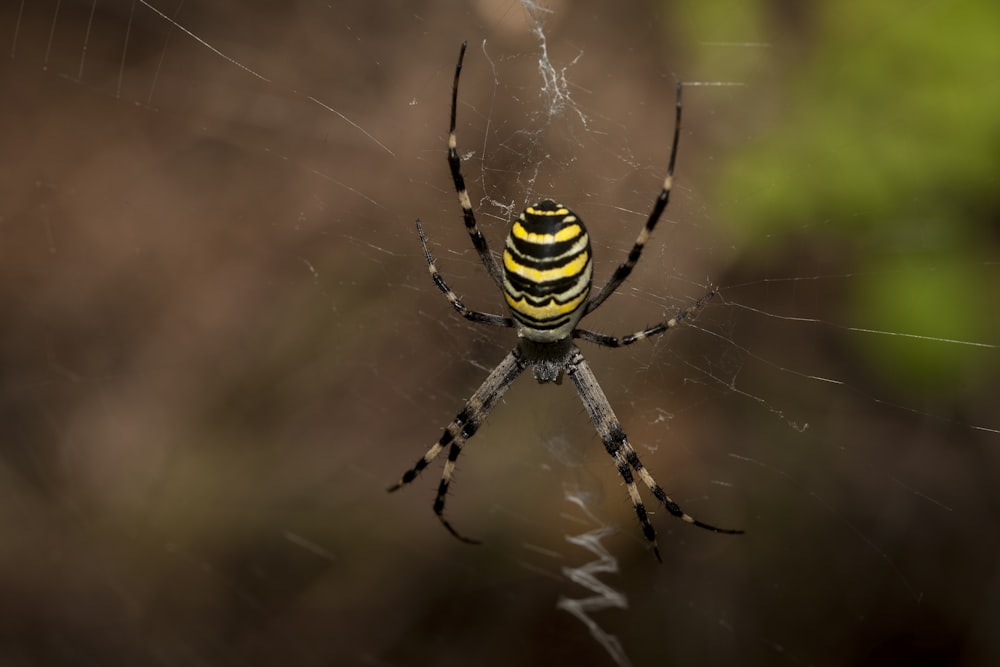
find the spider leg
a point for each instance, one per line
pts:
(621, 450)
(625, 268)
(455, 164)
(471, 315)
(463, 427)
(613, 341)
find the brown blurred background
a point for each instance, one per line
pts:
(219, 344)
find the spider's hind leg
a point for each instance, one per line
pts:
(454, 437)
(621, 450)
(442, 492)
(462, 427)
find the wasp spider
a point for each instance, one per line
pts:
(546, 279)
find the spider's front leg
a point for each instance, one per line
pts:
(455, 165)
(659, 206)
(463, 427)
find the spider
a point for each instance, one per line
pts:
(546, 279)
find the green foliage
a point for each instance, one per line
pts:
(883, 131)
(941, 301)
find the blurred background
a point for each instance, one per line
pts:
(219, 344)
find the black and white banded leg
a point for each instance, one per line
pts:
(625, 268)
(455, 164)
(463, 427)
(471, 315)
(626, 459)
(605, 340)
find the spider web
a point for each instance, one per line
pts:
(221, 345)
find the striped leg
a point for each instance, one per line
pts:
(455, 163)
(463, 427)
(626, 459)
(471, 315)
(613, 341)
(625, 268)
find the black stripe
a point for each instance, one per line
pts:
(543, 251)
(626, 473)
(633, 459)
(469, 430)
(439, 500)
(647, 528)
(545, 263)
(541, 325)
(543, 289)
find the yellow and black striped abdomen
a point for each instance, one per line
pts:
(547, 271)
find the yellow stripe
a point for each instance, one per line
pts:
(568, 270)
(564, 234)
(550, 311)
(531, 210)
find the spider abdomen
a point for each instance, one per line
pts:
(547, 271)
